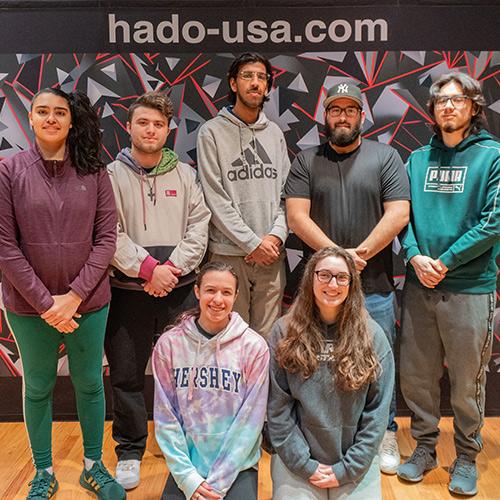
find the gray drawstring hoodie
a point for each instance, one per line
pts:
(243, 168)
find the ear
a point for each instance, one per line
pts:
(232, 84)
(197, 292)
(128, 127)
(363, 117)
(30, 119)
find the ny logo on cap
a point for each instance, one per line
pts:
(343, 88)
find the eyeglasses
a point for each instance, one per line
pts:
(248, 75)
(324, 276)
(335, 111)
(457, 101)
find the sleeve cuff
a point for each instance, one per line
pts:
(191, 484)
(340, 473)
(448, 259)
(147, 268)
(410, 253)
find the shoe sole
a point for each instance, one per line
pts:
(416, 479)
(463, 493)
(128, 485)
(389, 471)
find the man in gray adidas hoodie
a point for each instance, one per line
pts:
(243, 164)
(162, 238)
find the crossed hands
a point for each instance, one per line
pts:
(359, 255)
(163, 280)
(324, 477)
(205, 492)
(429, 271)
(267, 252)
(61, 315)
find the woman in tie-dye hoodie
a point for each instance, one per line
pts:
(211, 385)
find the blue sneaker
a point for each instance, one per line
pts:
(421, 461)
(463, 474)
(100, 482)
(44, 485)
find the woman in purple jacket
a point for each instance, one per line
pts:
(57, 237)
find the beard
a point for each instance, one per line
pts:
(342, 137)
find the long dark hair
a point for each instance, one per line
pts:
(354, 360)
(472, 89)
(84, 138)
(210, 266)
(248, 58)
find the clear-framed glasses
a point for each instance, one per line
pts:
(335, 111)
(457, 101)
(325, 276)
(249, 75)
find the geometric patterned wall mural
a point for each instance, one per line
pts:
(394, 84)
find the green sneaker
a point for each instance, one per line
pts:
(463, 475)
(43, 486)
(100, 482)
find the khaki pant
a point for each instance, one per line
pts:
(260, 291)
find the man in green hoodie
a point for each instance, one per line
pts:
(449, 298)
(162, 238)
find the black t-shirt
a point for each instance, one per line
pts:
(347, 192)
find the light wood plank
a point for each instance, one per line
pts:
(16, 468)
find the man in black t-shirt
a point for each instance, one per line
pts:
(353, 193)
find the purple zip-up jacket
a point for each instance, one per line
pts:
(57, 232)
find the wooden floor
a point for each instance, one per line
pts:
(16, 468)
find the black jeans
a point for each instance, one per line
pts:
(245, 487)
(135, 320)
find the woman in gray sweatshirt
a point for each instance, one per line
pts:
(332, 375)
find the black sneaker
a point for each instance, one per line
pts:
(43, 486)
(100, 482)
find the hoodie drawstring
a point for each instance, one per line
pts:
(191, 373)
(143, 203)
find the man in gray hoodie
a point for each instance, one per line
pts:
(243, 164)
(162, 238)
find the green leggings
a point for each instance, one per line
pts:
(38, 345)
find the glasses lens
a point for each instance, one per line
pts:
(343, 279)
(248, 75)
(324, 276)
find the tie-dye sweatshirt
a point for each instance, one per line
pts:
(210, 402)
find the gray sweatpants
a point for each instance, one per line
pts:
(288, 486)
(439, 327)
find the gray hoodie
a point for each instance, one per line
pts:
(312, 421)
(243, 168)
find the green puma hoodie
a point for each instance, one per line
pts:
(455, 213)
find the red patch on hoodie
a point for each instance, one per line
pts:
(170, 192)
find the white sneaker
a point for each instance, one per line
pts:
(388, 453)
(128, 473)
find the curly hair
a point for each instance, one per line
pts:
(248, 58)
(354, 360)
(84, 138)
(154, 100)
(472, 89)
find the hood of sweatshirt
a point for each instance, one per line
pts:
(437, 142)
(261, 123)
(167, 163)
(206, 347)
